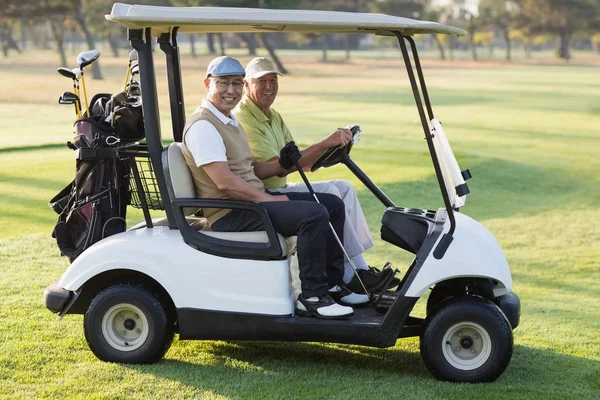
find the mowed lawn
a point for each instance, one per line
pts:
(528, 134)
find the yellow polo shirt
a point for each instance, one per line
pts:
(267, 135)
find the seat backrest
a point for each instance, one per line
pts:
(180, 175)
(183, 187)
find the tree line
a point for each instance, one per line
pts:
(488, 23)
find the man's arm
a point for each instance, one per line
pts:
(339, 138)
(267, 169)
(235, 186)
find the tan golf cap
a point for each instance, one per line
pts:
(260, 66)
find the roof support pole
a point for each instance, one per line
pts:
(447, 238)
(168, 44)
(421, 78)
(141, 40)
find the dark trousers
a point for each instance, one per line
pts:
(320, 258)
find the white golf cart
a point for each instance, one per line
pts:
(170, 275)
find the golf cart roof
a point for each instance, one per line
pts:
(229, 19)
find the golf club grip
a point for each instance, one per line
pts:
(305, 179)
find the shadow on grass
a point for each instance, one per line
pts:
(499, 189)
(582, 103)
(444, 97)
(50, 146)
(298, 370)
(520, 134)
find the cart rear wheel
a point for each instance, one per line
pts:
(127, 324)
(467, 340)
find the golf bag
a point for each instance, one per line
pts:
(93, 206)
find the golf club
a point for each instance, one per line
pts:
(83, 60)
(77, 72)
(134, 71)
(69, 98)
(133, 56)
(310, 189)
(115, 99)
(68, 73)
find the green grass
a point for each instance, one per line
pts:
(527, 133)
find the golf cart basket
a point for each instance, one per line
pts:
(143, 186)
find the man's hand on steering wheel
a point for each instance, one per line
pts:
(288, 155)
(339, 138)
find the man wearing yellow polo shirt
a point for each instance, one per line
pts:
(268, 134)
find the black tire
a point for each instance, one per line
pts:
(437, 296)
(127, 324)
(467, 339)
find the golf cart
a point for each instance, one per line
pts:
(171, 275)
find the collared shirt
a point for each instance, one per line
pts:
(267, 135)
(203, 140)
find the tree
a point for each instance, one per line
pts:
(54, 12)
(250, 41)
(560, 17)
(100, 27)
(400, 8)
(500, 14)
(57, 23)
(437, 14)
(466, 16)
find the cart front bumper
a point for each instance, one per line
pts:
(56, 298)
(510, 304)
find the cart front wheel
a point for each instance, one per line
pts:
(127, 324)
(467, 340)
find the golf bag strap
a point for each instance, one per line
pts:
(86, 154)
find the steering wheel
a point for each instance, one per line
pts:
(335, 155)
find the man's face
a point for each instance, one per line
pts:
(262, 90)
(224, 91)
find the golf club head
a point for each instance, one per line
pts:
(77, 73)
(87, 57)
(66, 72)
(120, 97)
(135, 70)
(134, 101)
(68, 98)
(133, 89)
(120, 111)
(133, 55)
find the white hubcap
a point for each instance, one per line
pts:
(125, 327)
(466, 346)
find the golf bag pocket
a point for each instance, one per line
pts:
(77, 229)
(86, 223)
(60, 202)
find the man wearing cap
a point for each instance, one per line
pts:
(268, 134)
(217, 151)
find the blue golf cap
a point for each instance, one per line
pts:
(223, 66)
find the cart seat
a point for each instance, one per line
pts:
(197, 223)
(183, 187)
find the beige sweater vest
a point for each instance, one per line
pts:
(239, 158)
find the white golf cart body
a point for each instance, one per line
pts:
(238, 285)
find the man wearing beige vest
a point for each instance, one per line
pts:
(218, 154)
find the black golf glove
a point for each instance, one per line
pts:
(288, 155)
